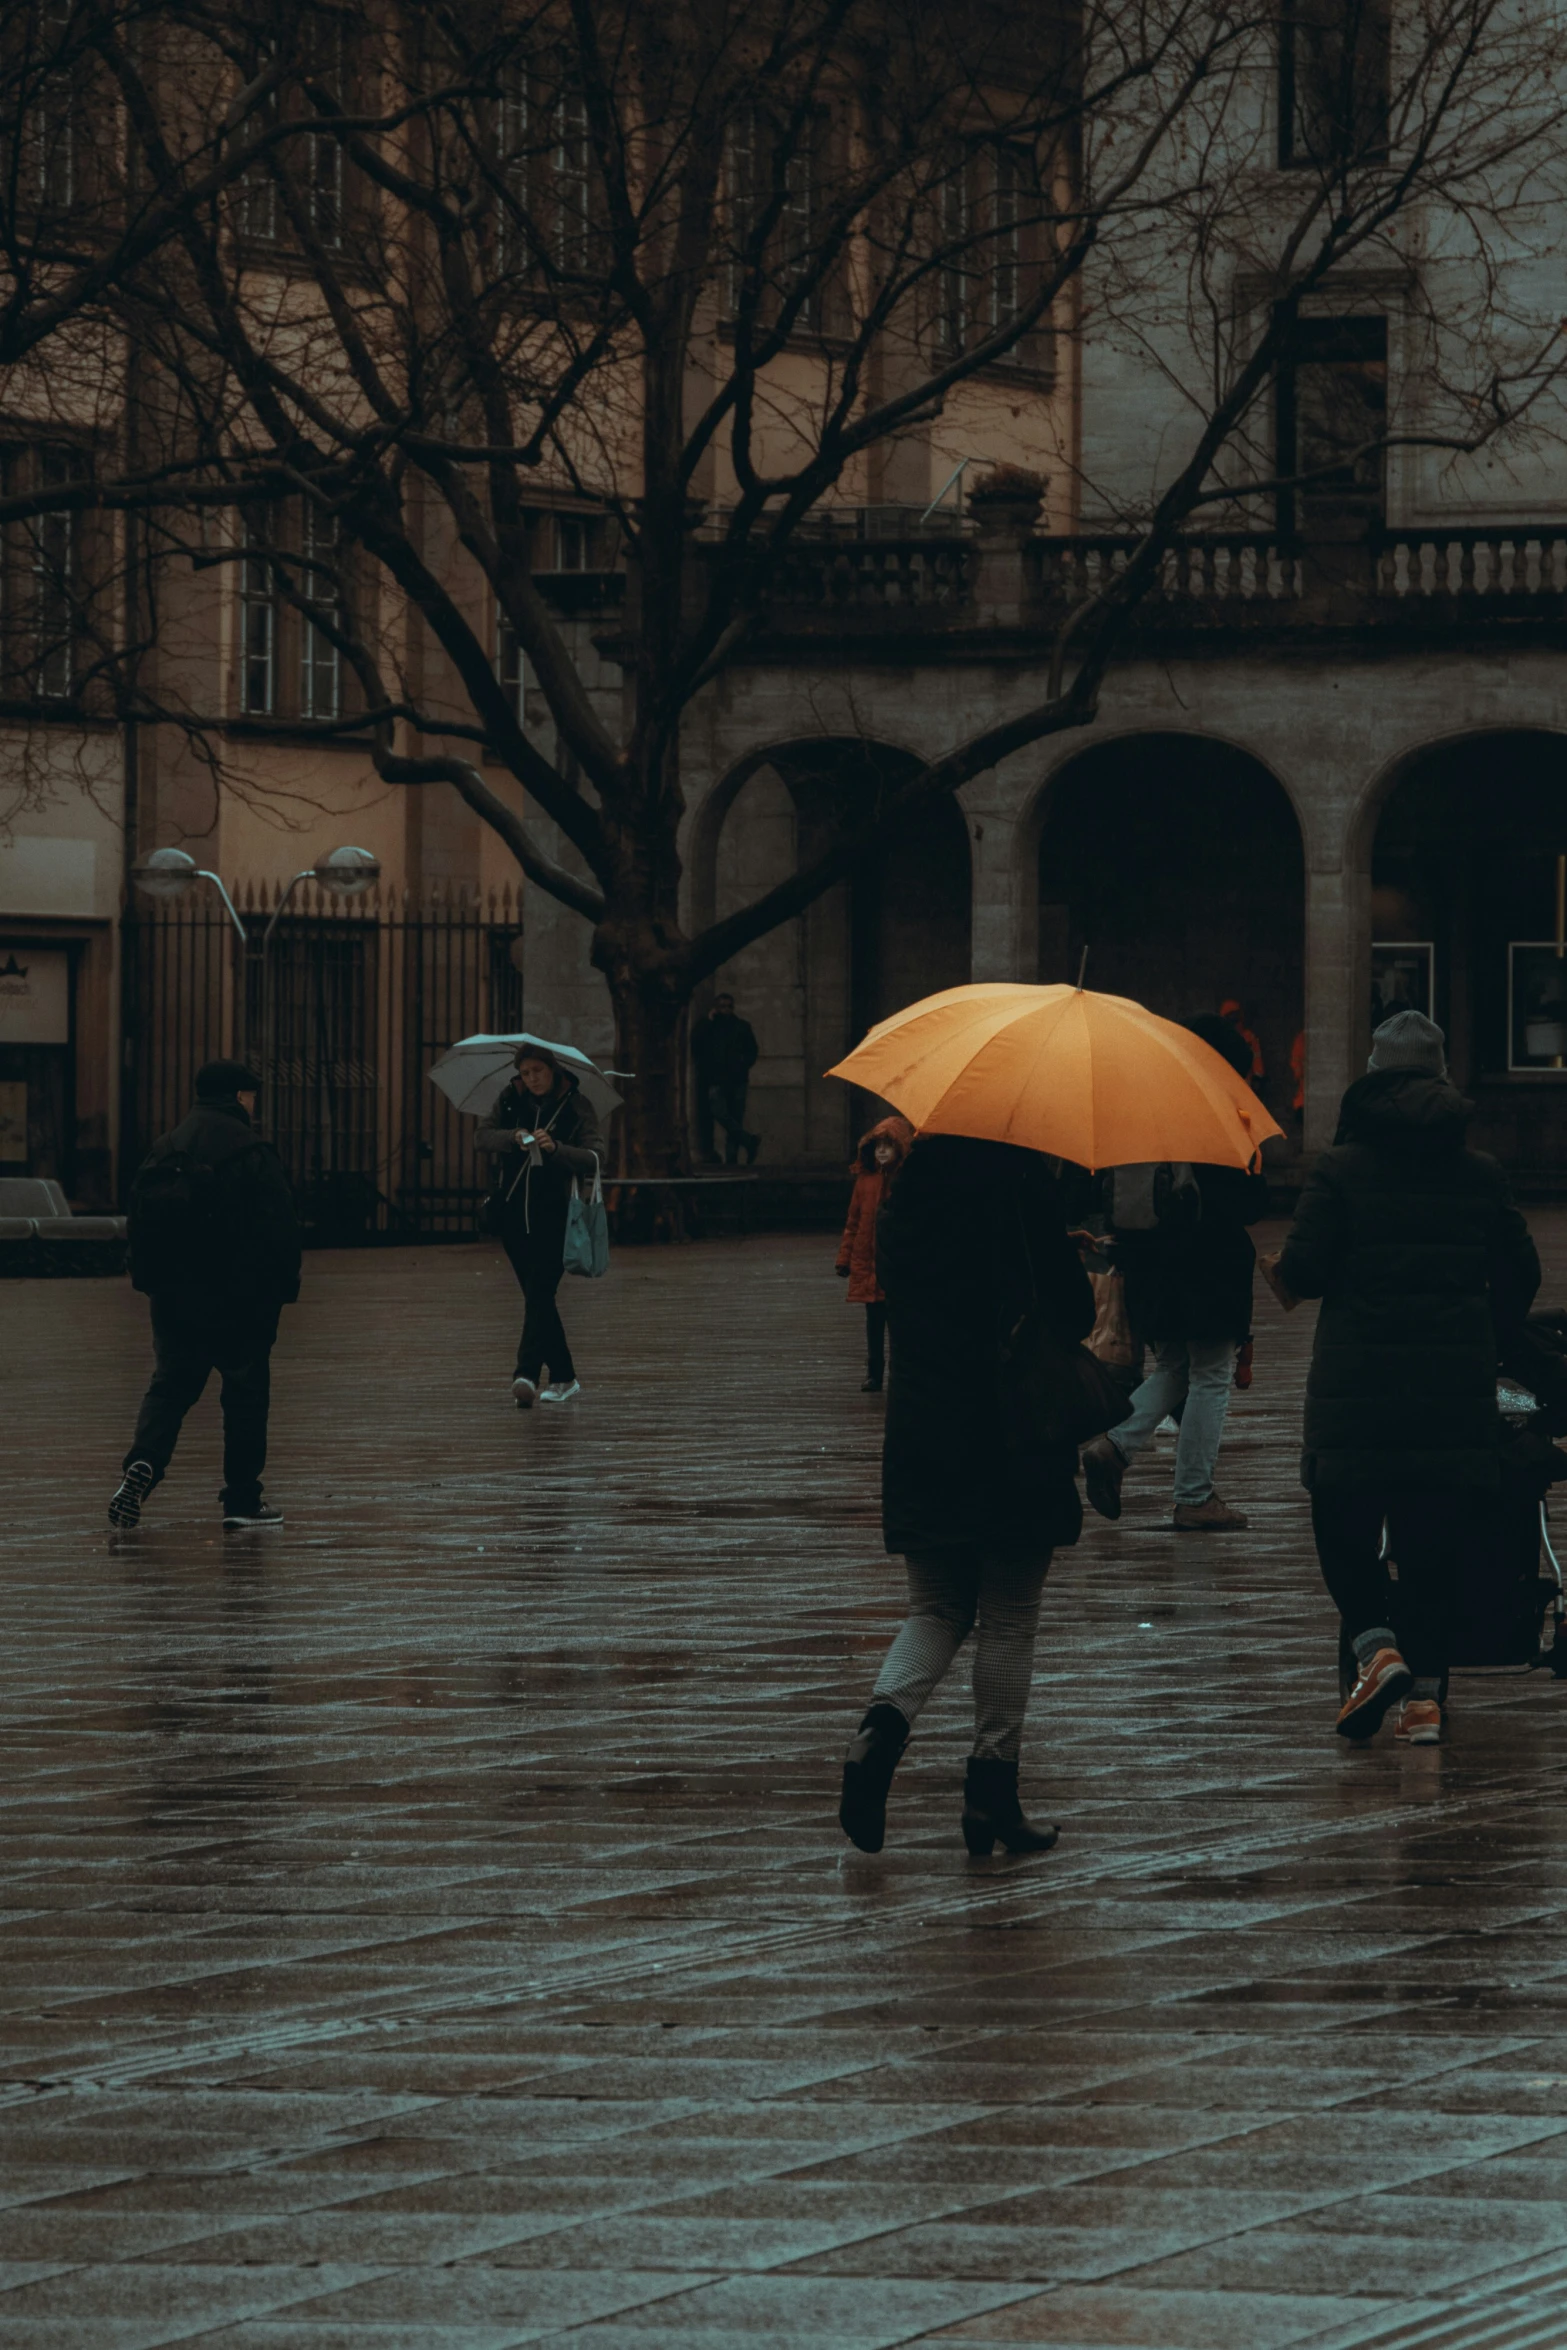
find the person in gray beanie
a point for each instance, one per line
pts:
(1411, 1241)
(1409, 1041)
(215, 1247)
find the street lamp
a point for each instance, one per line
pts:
(170, 873)
(345, 873)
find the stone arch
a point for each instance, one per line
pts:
(899, 929)
(1459, 840)
(1176, 858)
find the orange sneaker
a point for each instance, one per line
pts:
(1420, 1722)
(1378, 1685)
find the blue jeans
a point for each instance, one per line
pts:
(1197, 1371)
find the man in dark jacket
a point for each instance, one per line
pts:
(1419, 1257)
(723, 1049)
(1188, 1291)
(971, 1240)
(215, 1246)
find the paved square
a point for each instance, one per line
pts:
(427, 1927)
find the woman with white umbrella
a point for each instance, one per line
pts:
(541, 1134)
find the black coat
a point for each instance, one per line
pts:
(1195, 1280)
(724, 1048)
(533, 1187)
(1417, 1252)
(971, 1234)
(249, 1266)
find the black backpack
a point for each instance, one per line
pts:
(182, 1228)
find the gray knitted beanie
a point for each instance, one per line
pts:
(1409, 1041)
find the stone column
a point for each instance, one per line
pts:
(1338, 988)
(998, 949)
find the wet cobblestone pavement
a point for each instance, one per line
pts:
(426, 1927)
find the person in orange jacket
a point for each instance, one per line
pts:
(880, 1155)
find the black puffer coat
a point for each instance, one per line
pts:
(971, 1234)
(240, 1262)
(1417, 1252)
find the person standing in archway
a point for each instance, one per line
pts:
(724, 1049)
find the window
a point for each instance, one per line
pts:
(258, 619)
(314, 165)
(510, 667)
(287, 667)
(1331, 420)
(1335, 67)
(547, 214)
(53, 131)
(571, 542)
(990, 235)
(754, 143)
(320, 670)
(41, 586)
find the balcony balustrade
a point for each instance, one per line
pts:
(1251, 582)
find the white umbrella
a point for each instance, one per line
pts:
(475, 1072)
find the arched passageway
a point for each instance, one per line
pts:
(899, 930)
(1176, 861)
(1463, 904)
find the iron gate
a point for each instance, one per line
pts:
(341, 1014)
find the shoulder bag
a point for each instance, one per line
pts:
(587, 1228)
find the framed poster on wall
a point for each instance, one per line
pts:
(1537, 1006)
(1402, 978)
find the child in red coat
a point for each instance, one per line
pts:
(881, 1154)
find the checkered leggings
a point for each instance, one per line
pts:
(950, 1591)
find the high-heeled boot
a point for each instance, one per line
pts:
(873, 1756)
(992, 1814)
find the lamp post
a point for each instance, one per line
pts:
(345, 873)
(170, 874)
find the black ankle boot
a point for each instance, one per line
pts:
(992, 1814)
(867, 1774)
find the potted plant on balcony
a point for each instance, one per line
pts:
(1007, 498)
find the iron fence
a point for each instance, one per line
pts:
(342, 1014)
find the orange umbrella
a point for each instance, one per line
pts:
(1092, 1078)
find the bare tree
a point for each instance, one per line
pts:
(350, 292)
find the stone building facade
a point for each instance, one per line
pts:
(1301, 764)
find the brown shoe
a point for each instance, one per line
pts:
(1212, 1516)
(1104, 1466)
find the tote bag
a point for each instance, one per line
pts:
(587, 1229)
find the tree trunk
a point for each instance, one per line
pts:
(650, 1136)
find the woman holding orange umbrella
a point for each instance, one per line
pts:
(971, 1239)
(972, 1248)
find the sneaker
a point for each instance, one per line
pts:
(137, 1482)
(263, 1514)
(526, 1392)
(1378, 1685)
(561, 1391)
(1104, 1465)
(1212, 1516)
(1419, 1722)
